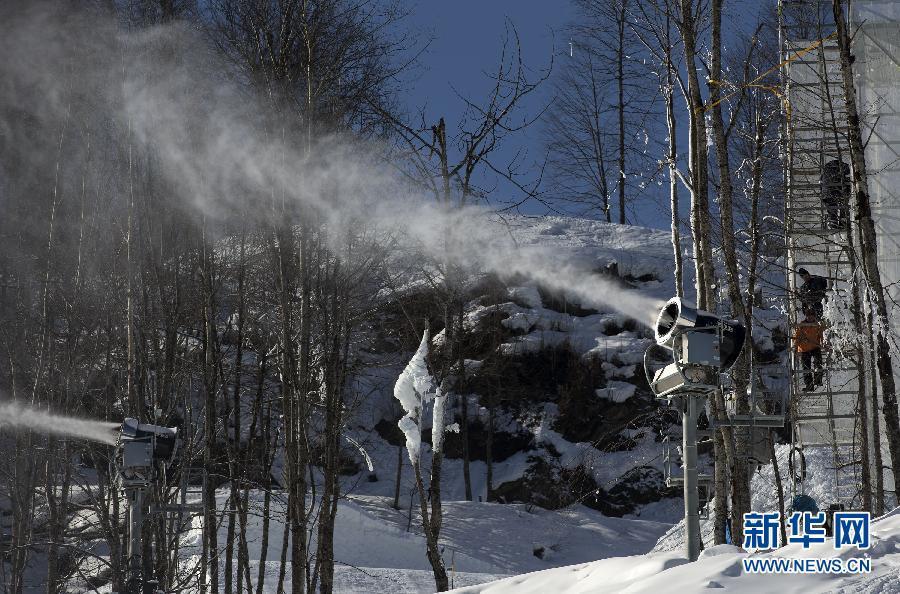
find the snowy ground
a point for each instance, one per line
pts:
(718, 568)
(482, 542)
(665, 569)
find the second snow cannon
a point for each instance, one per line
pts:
(145, 451)
(702, 345)
(143, 443)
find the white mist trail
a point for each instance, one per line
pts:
(16, 417)
(475, 239)
(231, 163)
(227, 155)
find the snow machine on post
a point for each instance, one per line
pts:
(144, 451)
(142, 443)
(701, 346)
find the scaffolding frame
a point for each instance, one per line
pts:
(819, 237)
(815, 130)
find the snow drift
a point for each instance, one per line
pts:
(718, 568)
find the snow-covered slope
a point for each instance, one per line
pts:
(719, 568)
(532, 321)
(379, 549)
(665, 569)
(637, 251)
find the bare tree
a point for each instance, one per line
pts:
(741, 436)
(577, 139)
(452, 168)
(597, 124)
(652, 24)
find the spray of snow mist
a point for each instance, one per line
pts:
(221, 150)
(16, 417)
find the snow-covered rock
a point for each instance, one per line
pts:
(616, 391)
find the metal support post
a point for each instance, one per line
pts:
(135, 496)
(691, 493)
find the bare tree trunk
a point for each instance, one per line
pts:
(433, 552)
(396, 504)
(231, 502)
(334, 383)
(58, 506)
(697, 159)
(54, 520)
(862, 421)
(620, 104)
(131, 393)
(723, 451)
(673, 177)
(264, 545)
(462, 390)
(869, 244)
(877, 462)
(268, 456)
(299, 541)
(859, 323)
(211, 576)
(234, 449)
(740, 484)
(243, 568)
(779, 487)
(489, 451)
(282, 567)
(700, 231)
(23, 512)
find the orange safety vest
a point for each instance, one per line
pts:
(808, 337)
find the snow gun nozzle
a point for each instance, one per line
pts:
(161, 442)
(676, 316)
(700, 345)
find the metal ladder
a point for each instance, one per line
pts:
(825, 416)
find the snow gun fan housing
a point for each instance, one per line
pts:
(701, 345)
(142, 444)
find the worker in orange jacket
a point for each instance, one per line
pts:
(808, 342)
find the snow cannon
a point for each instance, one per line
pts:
(142, 444)
(145, 452)
(701, 346)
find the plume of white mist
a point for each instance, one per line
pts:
(472, 238)
(345, 186)
(15, 417)
(226, 153)
(344, 183)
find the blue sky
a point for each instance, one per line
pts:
(467, 38)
